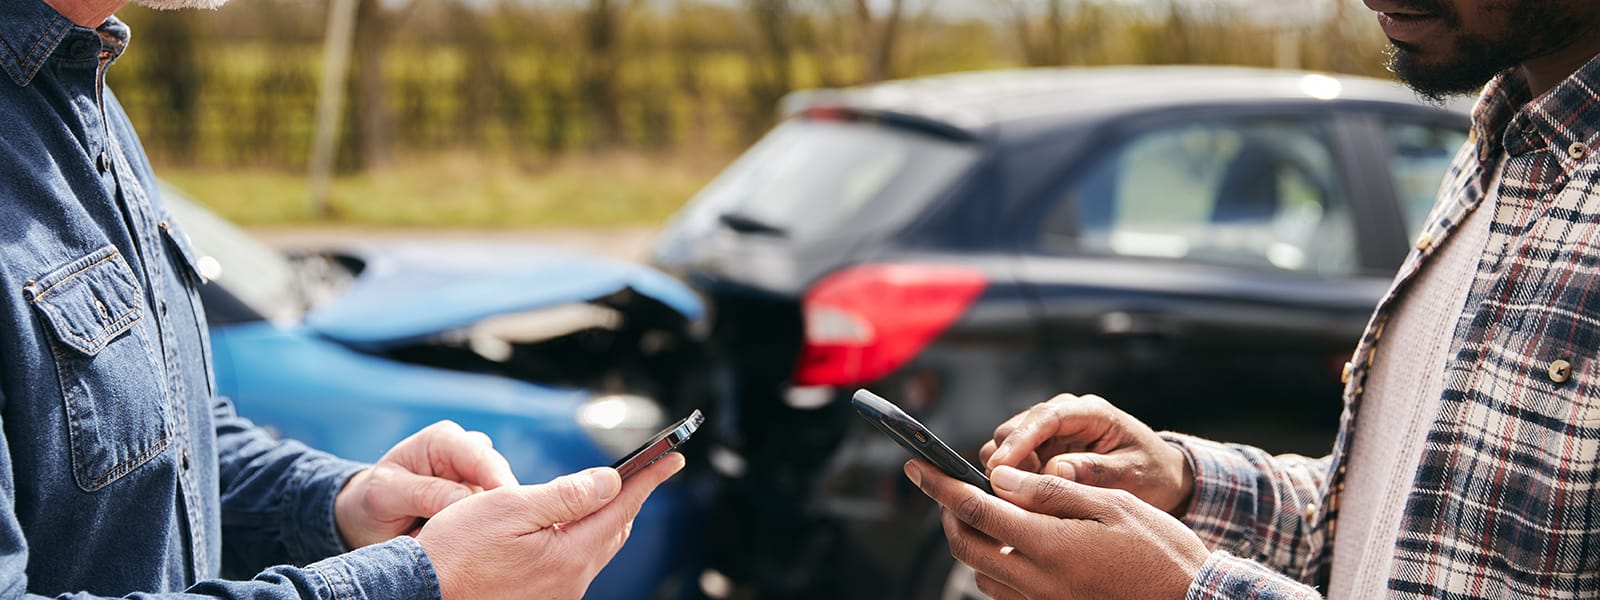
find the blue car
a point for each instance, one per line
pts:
(567, 361)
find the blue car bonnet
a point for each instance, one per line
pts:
(410, 292)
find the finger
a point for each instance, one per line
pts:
(1088, 468)
(997, 518)
(619, 514)
(996, 590)
(1029, 463)
(567, 498)
(1065, 416)
(469, 457)
(404, 494)
(975, 549)
(1054, 497)
(1005, 428)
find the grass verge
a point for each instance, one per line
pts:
(460, 190)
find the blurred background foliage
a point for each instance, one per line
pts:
(602, 112)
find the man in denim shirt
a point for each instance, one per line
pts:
(123, 474)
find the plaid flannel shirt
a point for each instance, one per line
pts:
(1506, 500)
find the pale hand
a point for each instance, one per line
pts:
(419, 477)
(539, 541)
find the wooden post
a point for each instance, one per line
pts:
(330, 101)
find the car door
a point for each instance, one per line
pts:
(1410, 151)
(1205, 271)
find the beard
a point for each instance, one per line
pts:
(177, 4)
(1473, 63)
(1469, 60)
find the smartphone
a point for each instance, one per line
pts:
(916, 438)
(659, 445)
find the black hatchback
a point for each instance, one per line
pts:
(1201, 246)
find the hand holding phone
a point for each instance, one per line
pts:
(659, 445)
(916, 438)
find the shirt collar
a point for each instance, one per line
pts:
(1565, 120)
(31, 32)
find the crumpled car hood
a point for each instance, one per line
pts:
(412, 291)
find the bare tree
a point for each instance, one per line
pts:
(1041, 46)
(881, 34)
(375, 25)
(177, 76)
(771, 76)
(602, 24)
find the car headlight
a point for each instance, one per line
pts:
(620, 422)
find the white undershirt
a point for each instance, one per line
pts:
(1401, 401)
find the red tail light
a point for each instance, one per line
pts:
(864, 322)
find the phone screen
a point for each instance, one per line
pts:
(659, 445)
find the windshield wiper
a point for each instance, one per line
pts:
(747, 224)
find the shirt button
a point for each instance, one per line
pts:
(1424, 242)
(1310, 512)
(103, 162)
(1560, 371)
(1344, 377)
(1577, 150)
(183, 458)
(83, 49)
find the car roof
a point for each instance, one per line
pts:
(978, 103)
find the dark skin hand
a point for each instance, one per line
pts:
(1047, 537)
(1087, 440)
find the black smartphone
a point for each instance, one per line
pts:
(916, 438)
(659, 445)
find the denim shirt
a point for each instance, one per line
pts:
(121, 472)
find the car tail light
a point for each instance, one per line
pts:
(864, 322)
(829, 113)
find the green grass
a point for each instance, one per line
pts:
(460, 190)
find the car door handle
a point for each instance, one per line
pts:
(1121, 323)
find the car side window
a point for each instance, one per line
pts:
(1258, 194)
(1421, 159)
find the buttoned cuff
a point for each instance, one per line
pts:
(1228, 577)
(310, 532)
(394, 570)
(1224, 501)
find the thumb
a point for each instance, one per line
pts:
(1052, 496)
(569, 497)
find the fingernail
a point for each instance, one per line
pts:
(1003, 450)
(455, 497)
(1007, 478)
(914, 474)
(1065, 470)
(606, 483)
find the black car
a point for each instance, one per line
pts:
(1201, 246)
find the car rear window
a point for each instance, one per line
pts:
(808, 179)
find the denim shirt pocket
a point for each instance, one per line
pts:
(110, 379)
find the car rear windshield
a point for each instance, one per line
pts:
(808, 179)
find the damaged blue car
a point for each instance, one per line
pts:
(567, 361)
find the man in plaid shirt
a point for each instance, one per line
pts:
(1468, 459)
